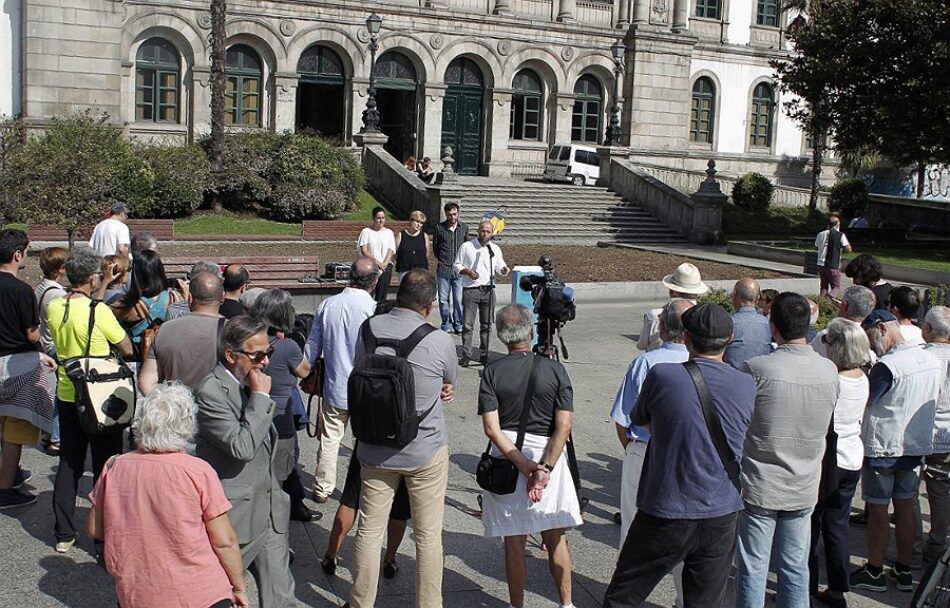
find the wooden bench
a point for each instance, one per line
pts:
(164, 230)
(341, 232)
(283, 272)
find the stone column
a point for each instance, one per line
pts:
(358, 104)
(499, 157)
(201, 100)
(502, 7)
(641, 11)
(568, 11)
(708, 202)
(431, 127)
(680, 17)
(623, 14)
(285, 102)
(564, 113)
(607, 154)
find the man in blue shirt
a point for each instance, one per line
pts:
(686, 503)
(751, 336)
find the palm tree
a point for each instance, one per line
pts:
(218, 86)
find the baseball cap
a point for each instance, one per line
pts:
(708, 320)
(877, 316)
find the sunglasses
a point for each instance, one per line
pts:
(257, 357)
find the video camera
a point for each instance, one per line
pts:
(553, 303)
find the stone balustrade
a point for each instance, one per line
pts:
(596, 13)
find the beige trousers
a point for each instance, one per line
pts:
(426, 486)
(334, 426)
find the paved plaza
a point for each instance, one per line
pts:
(601, 343)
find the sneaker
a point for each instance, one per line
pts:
(63, 546)
(902, 579)
(21, 477)
(862, 578)
(10, 499)
(825, 598)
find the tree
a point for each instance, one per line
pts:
(12, 138)
(882, 69)
(67, 176)
(218, 86)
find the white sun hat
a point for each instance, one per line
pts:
(686, 279)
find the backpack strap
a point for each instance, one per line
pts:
(714, 425)
(369, 340)
(408, 344)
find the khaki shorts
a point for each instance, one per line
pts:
(18, 431)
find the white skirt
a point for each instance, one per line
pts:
(514, 514)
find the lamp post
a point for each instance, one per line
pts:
(614, 133)
(371, 114)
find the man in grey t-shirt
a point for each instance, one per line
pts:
(424, 463)
(186, 349)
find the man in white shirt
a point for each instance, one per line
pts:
(478, 262)
(378, 242)
(111, 235)
(335, 331)
(830, 243)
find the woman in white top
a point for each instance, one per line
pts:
(378, 242)
(848, 349)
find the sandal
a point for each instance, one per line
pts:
(328, 564)
(390, 569)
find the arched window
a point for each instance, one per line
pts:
(526, 104)
(320, 64)
(395, 70)
(157, 78)
(703, 111)
(766, 13)
(242, 105)
(708, 9)
(588, 109)
(760, 121)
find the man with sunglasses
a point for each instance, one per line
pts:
(237, 438)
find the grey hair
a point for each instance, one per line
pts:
(165, 420)
(118, 209)
(81, 263)
(860, 300)
(514, 324)
(848, 344)
(938, 318)
(672, 318)
(204, 266)
(747, 292)
(275, 307)
(143, 240)
(236, 332)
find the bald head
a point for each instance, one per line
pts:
(206, 291)
(485, 231)
(745, 293)
(236, 279)
(814, 312)
(363, 273)
(671, 320)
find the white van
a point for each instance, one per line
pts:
(579, 165)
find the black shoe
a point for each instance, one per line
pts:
(859, 519)
(10, 499)
(299, 512)
(465, 362)
(390, 569)
(483, 360)
(21, 477)
(864, 579)
(903, 579)
(827, 599)
(328, 564)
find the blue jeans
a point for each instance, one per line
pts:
(791, 531)
(450, 319)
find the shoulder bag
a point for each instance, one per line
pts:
(500, 475)
(105, 387)
(714, 425)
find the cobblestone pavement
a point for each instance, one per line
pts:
(601, 343)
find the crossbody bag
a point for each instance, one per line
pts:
(714, 424)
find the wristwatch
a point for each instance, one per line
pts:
(547, 467)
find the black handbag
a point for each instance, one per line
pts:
(828, 495)
(500, 475)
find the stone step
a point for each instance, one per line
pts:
(565, 213)
(584, 230)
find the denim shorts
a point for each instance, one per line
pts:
(879, 486)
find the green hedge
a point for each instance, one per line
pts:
(849, 197)
(827, 310)
(753, 191)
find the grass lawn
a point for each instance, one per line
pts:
(773, 223)
(930, 259)
(363, 213)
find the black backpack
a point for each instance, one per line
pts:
(381, 393)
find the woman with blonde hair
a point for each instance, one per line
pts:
(413, 246)
(115, 274)
(164, 516)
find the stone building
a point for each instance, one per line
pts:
(499, 80)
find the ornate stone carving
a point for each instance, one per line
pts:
(362, 35)
(567, 53)
(436, 41)
(660, 11)
(287, 27)
(505, 47)
(204, 21)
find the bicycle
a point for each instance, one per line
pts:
(933, 591)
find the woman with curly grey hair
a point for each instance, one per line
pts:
(161, 507)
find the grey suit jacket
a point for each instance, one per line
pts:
(236, 437)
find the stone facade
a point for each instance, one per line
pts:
(86, 57)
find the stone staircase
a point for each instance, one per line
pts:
(538, 212)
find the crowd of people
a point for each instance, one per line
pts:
(744, 435)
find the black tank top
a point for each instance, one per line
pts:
(412, 252)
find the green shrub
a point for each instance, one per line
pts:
(778, 222)
(848, 197)
(243, 183)
(753, 191)
(827, 310)
(718, 296)
(179, 178)
(12, 139)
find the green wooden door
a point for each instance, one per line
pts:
(462, 115)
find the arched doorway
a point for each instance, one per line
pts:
(320, 92)
(396, 98)
(462, 114)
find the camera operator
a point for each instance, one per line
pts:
(478, 262)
